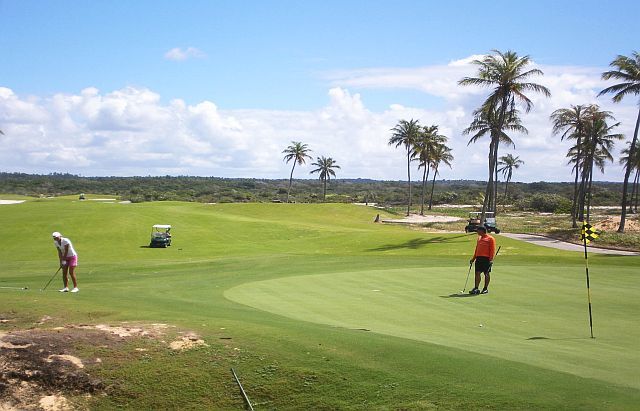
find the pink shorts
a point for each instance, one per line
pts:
(72, 261)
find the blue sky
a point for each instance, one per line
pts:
(222, 87)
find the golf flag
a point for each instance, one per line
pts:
(588, 233)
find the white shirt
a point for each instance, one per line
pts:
(64, 242)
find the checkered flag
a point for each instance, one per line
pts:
(588, 233)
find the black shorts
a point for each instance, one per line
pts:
(483, 265)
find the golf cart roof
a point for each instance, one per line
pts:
(480, 212)
(162, 226)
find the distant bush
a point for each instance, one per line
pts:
(545, 203)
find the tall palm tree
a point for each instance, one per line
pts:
(298, 152)
(507, 74)
(406, 133)
(325, 168)
(597, 146)
(486, 123)
(508, 163)
(635, 165)
(571, 123)
(441, 154)
(627, 69)
(423, 150)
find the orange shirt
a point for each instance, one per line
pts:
(486, 247)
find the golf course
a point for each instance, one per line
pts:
(314, 306)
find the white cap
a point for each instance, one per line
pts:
(56, 234)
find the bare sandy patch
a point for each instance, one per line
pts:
(187, 342)
(6, 202)
(612, 224)
(65, 357)
(54, 403)
(419, 219)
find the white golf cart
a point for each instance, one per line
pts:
(160, 236)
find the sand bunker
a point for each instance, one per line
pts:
(11, 201)
(612, 224)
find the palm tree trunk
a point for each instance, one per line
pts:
(586, 165)
(409, 178)
(506, 186)
(637, 188)
(589, 193)
(494, 194)
(495, 186)
(574, 204)
(634, 193)
(487, 193)
(424, 183)
(290, 180)
(627, 172)
(433, 183)
(324, 190)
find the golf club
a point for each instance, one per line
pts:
(54, 276)
(14, 288)
(468, 272)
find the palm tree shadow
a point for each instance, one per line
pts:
(416, 243)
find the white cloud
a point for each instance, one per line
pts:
(132, 132)
(179, 54)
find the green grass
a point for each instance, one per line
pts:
(285, 294)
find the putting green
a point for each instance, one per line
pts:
(515, 322)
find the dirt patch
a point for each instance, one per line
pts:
(613, 225)
(40, 369)
(418, 219)
(187, 342)
(38, 366)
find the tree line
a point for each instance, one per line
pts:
(538, 196)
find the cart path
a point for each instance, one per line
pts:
(562, 245)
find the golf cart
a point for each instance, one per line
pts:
(160, 236)
(474, 221)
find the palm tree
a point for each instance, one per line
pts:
(423, 150)
(325, 168)
(572, 121)
(441, 154)
(298, 152)
(507, 74)
(406, 133)
(486, 122)
(597, 146)
(627, 69)
(635, 165)
(508, 163)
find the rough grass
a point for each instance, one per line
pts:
(283, 293)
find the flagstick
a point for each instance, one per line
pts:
(586, 266)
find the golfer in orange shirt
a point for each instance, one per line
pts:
(483, 257)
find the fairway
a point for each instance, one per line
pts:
(317, 307)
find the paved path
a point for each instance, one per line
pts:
(550, 242)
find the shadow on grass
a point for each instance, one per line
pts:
(558, 339)
(416, 243)
(459, 295)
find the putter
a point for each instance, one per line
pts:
(54, 276)
(465, 283)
